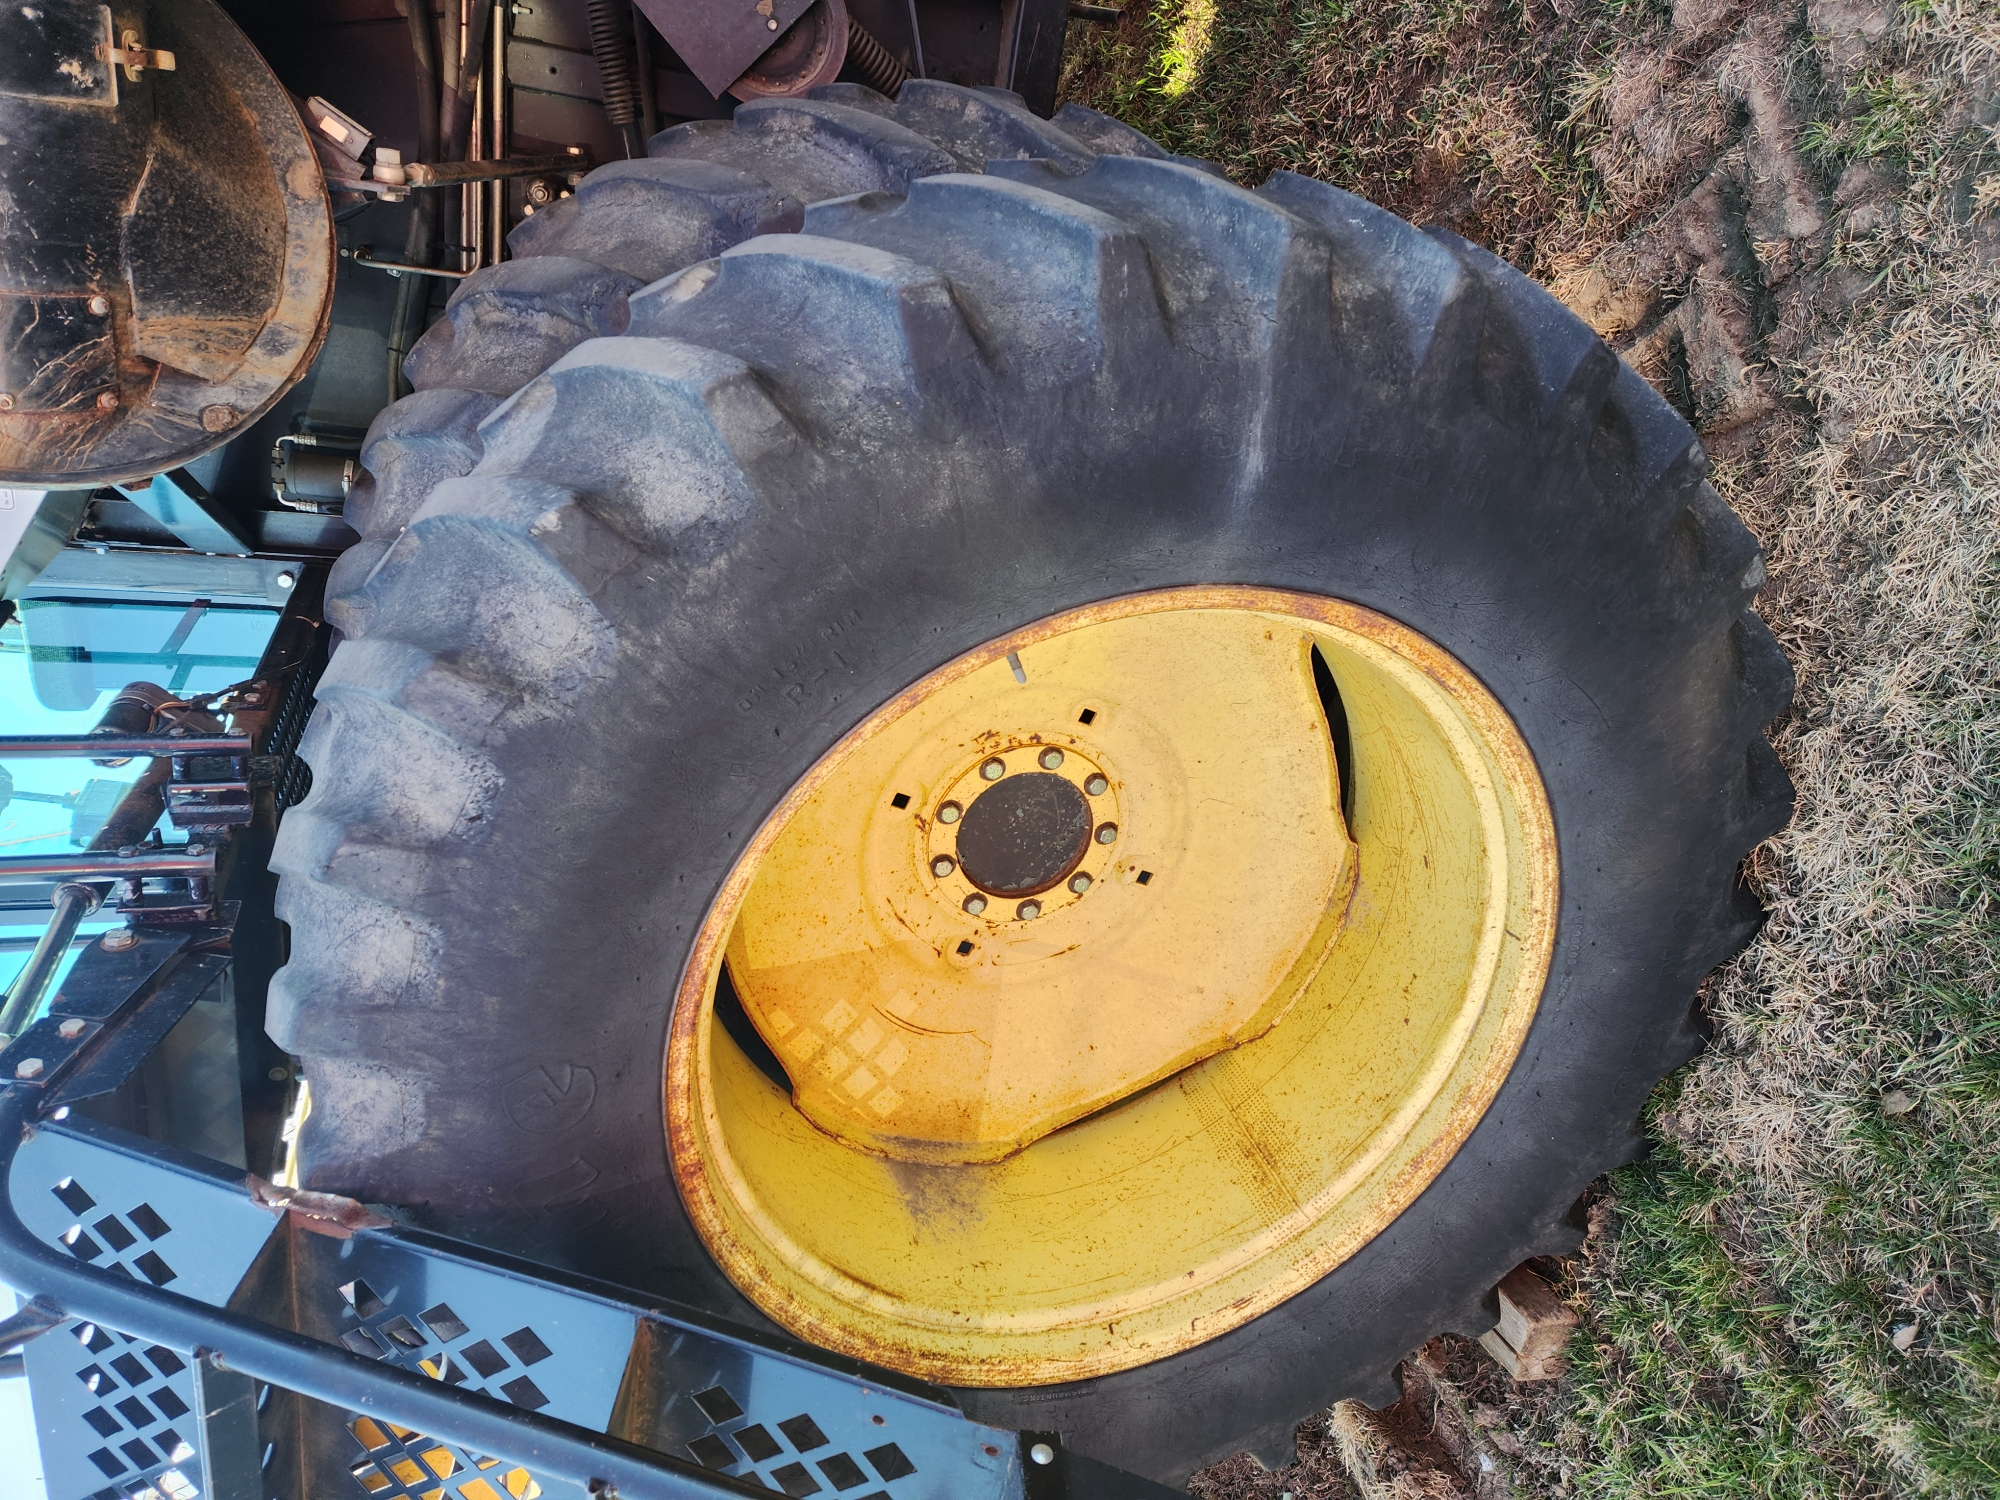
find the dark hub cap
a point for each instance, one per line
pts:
(1024, 834)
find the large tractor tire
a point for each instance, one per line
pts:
(959, 737)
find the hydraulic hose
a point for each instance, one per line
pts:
(420, 244)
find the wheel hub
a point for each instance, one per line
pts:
(1101, 1036)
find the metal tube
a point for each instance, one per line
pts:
(132, 746)
(30, 869)
(73, 904)
(326, 1372)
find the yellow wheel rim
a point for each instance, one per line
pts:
(1105, 1032)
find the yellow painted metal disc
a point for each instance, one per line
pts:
(1105, 1031)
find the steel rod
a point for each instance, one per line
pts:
(550, 1448)
(73, 904)
(24, 869)
(111, 746)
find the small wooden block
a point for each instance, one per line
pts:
(1534, 1327)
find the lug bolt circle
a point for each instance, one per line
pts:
(975, 903)
(993, 769)
(943, 865)
(1027, 911)
(1050, 758)
(1079, 882)
(1096, 785)
(1107, 833)
(950, 812)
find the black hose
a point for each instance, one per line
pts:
(413, 293)
(612, 44)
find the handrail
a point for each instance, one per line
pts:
(105, 746)
(604, 1466)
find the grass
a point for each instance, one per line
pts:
(1798, 1294)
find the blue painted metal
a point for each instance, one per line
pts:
(179, 502)
(452, 1373)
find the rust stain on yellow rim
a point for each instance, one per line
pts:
(1223, 1169)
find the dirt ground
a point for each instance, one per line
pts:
(1785, 213)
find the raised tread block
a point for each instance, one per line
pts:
(1104, 135)
(1056, 284)
(442, 788)
(1571, 367)
(650, 217)
(979, 126)
(865, 334)
(1378, 256)
(1226, 257)
(555, 519)
(350, 953)
(1762, 667)
(507, 323)
(492, 605)
(809, 149)
(347, 605)
(660, 432)
(411, 445)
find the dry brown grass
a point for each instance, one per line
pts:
(1788, 215)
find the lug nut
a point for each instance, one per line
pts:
(99, 306)
(994, 769)
(943, 865)
(1079, 882)
(70, 1030)
(1050, 758)
(975, 903)
(1107, 833)
(950, 812)
(1027, 911)
(6, 400)
(1096, 785)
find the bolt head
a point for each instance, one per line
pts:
(975, 903)
(70, 1030)
(1042, 1453)
(278, 1075)
(6, 400)
(1096, 785)
(1079, 882)
(99, 306)
(1107, 833)
(219, 418)
(28, 1067)
(993, 769)
(286, 580)
(107, 400)
(950, 812)
(1027, 911)
(943, 865)
(119, 940)
(1050, 758)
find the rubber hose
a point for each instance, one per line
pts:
(874, 61)
(413, 293)
(611, 43)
